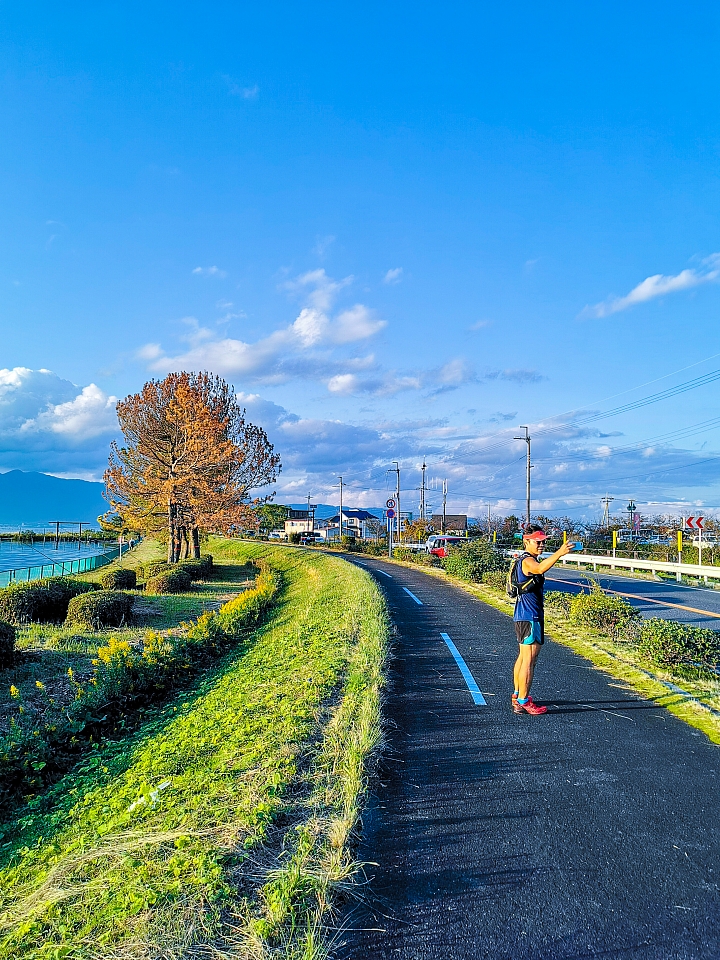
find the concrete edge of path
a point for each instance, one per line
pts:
(681, 703)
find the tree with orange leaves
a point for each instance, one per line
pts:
(189, 461)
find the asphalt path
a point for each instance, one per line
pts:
(653, 598)
(588, 832)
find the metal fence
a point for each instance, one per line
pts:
(584, 560)
(60, 568)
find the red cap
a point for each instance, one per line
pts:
(538, 535)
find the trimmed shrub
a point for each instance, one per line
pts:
(294, 538)
(153, 568)
(106, 608)
(7, 644)
(421, 557)
(471, 560)
(40, 600)
(558, 601)
(201, 569)
(174, 580)
(670, 643)
(611, 615)
(121, 579)
(495, 579)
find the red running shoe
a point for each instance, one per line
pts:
(529, 707)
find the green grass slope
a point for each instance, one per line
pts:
(222, 825)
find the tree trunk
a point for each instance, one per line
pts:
(171, 531)
(195, 542)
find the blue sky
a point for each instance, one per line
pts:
(401, 231)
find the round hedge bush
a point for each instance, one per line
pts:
(175, 580)
(40, 600)
(153, 568)
(106, 608)
(7, 644)
(121, 579)
(201, 569)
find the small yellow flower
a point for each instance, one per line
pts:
(70, 673)
(14, 692)
(39, 684)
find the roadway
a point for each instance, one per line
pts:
(587, 832)
(653, 598)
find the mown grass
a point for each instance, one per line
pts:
(619, 660)
(223, 823)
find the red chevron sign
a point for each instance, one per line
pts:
(695, 523)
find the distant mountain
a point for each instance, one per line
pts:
(32, 500)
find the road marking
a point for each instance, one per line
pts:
(638, 596)
(474, 689)
(410, 594)
(385, 574)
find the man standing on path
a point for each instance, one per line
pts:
(529, 613)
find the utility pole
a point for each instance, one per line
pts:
(444, 505)
(488, 521)
(341, 506)
(526, 438)
(606, 501)
(398, 522)
(422, 492)
(312, 528)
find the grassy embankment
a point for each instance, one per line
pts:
(221, 826)
(687, 698)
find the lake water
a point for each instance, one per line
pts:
(18, 555)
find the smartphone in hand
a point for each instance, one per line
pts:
(576, 546)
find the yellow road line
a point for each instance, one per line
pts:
(662, 603)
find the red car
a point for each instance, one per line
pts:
(440, 546)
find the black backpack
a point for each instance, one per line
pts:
(513, 588)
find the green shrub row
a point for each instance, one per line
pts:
(120, 579)
(104, 608)
(125, 677)
(471, 560)
(420, 557)
(40, 600)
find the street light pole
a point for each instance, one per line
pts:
(398, 525)
(526, 438)
(341, 506)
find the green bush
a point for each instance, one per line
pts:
(174, 580)
(471, 560)
(420, 557)
(611, 615)
(106, 608)
(201, 569)
(294, 538)
(121, 579)
(153, 568)
(495, 579)
(40, 600)
(669, 643)
(559, 601)
(7, 644)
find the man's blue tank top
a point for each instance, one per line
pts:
(529, 606)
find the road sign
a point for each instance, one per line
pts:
(390, 503)
(695, 523)
(390, 514)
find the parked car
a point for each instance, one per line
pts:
(277, 535)
(440, 546)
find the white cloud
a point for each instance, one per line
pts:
(393, 276)
(658, 286)
(480, 324)
(47, 423)
(89, 415)
(209, 272)
(236, 89)
(344, 383)
(302, 349)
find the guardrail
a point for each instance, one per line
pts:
(653, 566)
(60, 568)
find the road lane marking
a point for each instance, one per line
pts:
(410, 594)
(474, 689)
(385, 574)
(638, 596)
